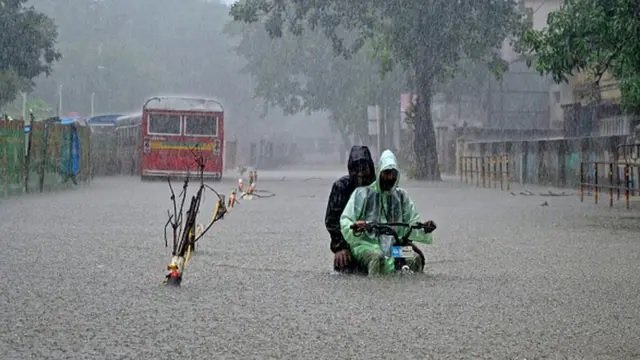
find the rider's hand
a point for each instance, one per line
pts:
(342, 259)
(429, 226)
(359, 225)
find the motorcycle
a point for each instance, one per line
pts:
(400, 248)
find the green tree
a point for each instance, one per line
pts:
(427, 38)
(594, 37)
(39, 108)
(301, 73)
(27, 43)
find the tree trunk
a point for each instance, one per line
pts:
(362, 128)
(346, 145)
(388, 128)
(424, 144)
(345, 139)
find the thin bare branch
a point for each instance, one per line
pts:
(166, 243)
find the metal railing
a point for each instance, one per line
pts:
(612, 176)
(486, 170)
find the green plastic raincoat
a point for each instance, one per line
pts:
(370, 203)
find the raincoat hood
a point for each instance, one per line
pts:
(359, 153)
(387, 161)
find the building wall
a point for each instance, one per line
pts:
(524, 99)
(541, 10)
(520, 100)
(541, 90)
(584, 91)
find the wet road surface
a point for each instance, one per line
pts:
(506, 278)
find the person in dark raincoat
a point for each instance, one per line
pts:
(361, 173)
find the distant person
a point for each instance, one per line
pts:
(361, 173)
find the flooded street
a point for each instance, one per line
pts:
(505, 278)
(544, 93)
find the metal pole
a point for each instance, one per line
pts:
(24, 105)
(492, 169)
(595, 182)
(43, 164)
(477, 172)
(618, 181)
(610, 184)
(626, 185)
(483, 172)
(470, 159)
(581, 182)
(501, 174)
(507, 173)
(465, 160)
(27, 166)
(60, 100)
(378, 123)
(494, 174)
(471, 172)
(93, 100)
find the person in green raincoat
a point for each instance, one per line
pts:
(383, 202)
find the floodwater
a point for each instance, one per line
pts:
(505, 278)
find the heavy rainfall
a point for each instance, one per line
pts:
(319, 179)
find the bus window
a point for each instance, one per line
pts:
(201, 126)
(164, 124)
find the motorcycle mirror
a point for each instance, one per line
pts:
(429, 227)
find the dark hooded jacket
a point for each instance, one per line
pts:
(340, 194)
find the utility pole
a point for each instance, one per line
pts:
(373, 116)
(379, 125)
(24, 106)
(60, 100)
(93, 100)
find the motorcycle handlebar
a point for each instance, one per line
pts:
(428, 226)
(374, 225)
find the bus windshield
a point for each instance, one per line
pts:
(201, 125)
(164, 124)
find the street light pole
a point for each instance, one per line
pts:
(60, 100)
(24, 106)
(93, 99)
(99, 68)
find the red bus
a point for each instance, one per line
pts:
(173, 128)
